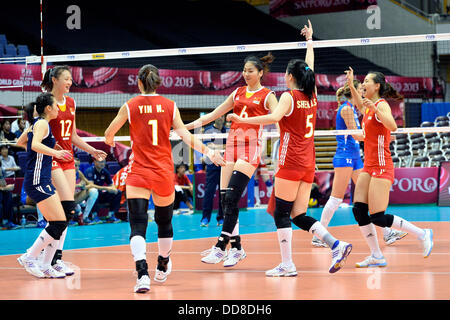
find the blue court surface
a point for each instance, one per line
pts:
(188, 227)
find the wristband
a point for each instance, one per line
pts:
(309, 40)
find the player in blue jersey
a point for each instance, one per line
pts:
(347, 161)
(40, 145)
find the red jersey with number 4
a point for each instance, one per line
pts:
(297, 133)
(150, 117)
(62, 126)
(376, 141)
(249, 104)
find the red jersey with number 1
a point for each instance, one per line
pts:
(62, 126)
(150, 117)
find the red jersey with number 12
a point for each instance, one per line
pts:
(151, 117)
(62, 126)
(297, 133)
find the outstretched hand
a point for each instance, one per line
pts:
(307, 31)
(350, 76)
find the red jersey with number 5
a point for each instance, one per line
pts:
(150, 117)
(376, 141)
(62, 126)
(297, 133)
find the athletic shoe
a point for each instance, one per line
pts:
(113, 219)
(11, 226)
(31, 265)
(214, 255)
(427, 243)
(393, 236)
(88, 222)
(371, 261)
(97, 220)
(257, 204)
(220, 222)
(233, 257)
(282, 271)
(61, 266)
(142, 284)
(176, 212)
(204, 222)
(189, 212)
(41, 224)
(316, 242)
(339, 255)
(50, 272)
(161, 276)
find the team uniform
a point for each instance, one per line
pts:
(120, 180)
(245, 140)
(297, 156)
(150, 117)
(347, 151)
(38, 177)
(377, 156)
(62, 128)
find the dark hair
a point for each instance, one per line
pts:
(149, 76)
(43, 100)
(345, 91)
(261, 63)
(47, 83)
(304, 76)
(179, 166)
(386, 90)
(4, 146)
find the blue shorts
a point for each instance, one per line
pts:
(40, 192)
(355, 163)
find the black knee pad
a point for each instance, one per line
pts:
(361, 213)
(222, 192)
(69, 209)
(282, 214)
(382, 220)
(163, 218)
(56, 228)
(138, 217)
(304, 222)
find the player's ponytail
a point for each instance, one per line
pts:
(345, 92)
(47, 82)
(304, 76)
(42, 101)
(262, 63)
(386, 90)
(149, 76)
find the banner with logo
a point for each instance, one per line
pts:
(414, 185)
(290, 8)
(444, 184)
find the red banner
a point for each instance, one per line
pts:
(414, 185)
(444, 184)
(289, 8)
(188, 82)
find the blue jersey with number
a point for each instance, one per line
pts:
(39, 165)
(347, 146)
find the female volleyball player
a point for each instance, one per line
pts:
(39, 187)
(242, 153)
(374, 182)
(296, 116)
(347, 161)
(58, 81)
(151, 117)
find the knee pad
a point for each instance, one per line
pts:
(163, 218)
(382, 220)
(304, 222)
(361, 213)
(69, 209)
(56, 228)
(282, 213)
(137, 209)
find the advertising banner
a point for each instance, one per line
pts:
(444, 184)
(414, 185)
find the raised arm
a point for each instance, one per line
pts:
(115, 125)
(349, 119)
(307, 32)
(355, 95)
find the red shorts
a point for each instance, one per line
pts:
(382, 173)
(162, 188)
(63, 165)
(249, 151)
(296, 175)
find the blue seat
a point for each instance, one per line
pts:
(3, 40)
(11, 50)
(113, 167)
(23, 51)
(84, 166)
(83, 156)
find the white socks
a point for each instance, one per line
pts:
(370, 234)
(236, 229)
(318, 230)
(403, 225)
(328, 211)
(138, 247)
(40, 243)
(165, 246)
(62, 239)
(285, 241)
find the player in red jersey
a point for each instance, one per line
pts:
(374, 182)
(242, 153)
(296, 116)
(58, 81)
(151, 118)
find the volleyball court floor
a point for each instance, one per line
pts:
(104, 268)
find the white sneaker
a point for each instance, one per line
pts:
(339, 255)
(214, 255)
(142, 285)
(234, 256)
(50, 272)
(316, 242)
(371, 261)
(31, 265)
(161, 276)
(62, 266)
(427, 243)
(393, 236)
(282, 271)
